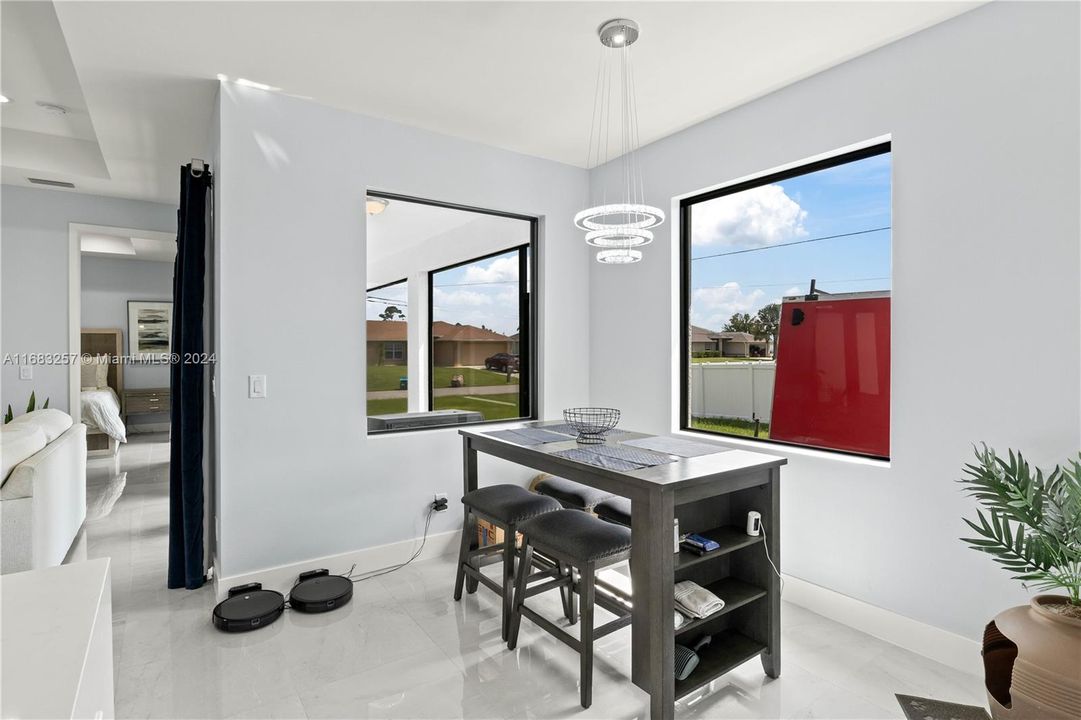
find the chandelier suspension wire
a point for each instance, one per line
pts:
(620, 224)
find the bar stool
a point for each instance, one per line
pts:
(588, 544)
(571, 495)
(615, 509)
(505, 506)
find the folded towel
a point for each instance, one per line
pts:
(679, 619)
(695, 601)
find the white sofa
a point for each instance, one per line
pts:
(43, 497)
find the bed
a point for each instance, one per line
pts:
(102, 390)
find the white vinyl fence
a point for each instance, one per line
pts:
(733, 389)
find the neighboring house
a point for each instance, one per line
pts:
(703, 340)
(729, 344)
(514, 344)
(453, 345)
(741, 344)
(387, 342)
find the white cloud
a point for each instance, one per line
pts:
(712, 307)
(757, 217)
(460, 298)
(502, 269)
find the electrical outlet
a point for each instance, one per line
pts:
(440, 502)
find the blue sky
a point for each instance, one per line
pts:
(483, 293)
(847, 198)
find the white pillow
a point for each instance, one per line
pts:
(17, 443)
(95, 372)
(53, 423)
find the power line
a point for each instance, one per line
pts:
(789, 244)
(790, 283)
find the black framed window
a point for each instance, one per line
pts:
(785, 306)
(481, 335)
(387, 320)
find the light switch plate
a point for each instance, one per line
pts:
(26, 372)
(257, 386)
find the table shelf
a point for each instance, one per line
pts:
(735, 594)
(729, 537)
(727, 651)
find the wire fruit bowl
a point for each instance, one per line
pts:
(592, 423)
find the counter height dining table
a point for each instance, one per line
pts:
(710, 490)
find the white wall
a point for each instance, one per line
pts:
(34, 282)
(107, 286)
(984, 114)
(298, 476)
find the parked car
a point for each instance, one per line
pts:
(501, 362)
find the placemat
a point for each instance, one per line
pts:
(615, 457)
(675, 446)
(528, 436)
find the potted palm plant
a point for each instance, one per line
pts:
(1030, 524)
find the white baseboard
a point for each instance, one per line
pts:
(281, 578)
(941, 645)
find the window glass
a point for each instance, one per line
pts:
(479, 309)
(388, 323)
(786, 287)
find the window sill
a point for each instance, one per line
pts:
(786, 451)
(487, 424)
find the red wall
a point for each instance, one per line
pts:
(832, 388)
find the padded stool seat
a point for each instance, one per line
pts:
(615, 509)
(577, 535)
(572, 494)
(509, 504)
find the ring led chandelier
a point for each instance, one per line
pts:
(619, 223)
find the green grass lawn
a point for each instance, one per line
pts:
(493, 407)
(385, 377)
(727, 359)
(386, 407)
(730, 426)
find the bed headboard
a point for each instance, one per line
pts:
(106, 341)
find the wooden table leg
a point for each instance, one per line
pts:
(469, 483)
(652, 579)
(771, 658)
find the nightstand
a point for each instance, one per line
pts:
(140, 401)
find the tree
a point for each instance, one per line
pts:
(767, 320)
(741, 322)
(392, 312)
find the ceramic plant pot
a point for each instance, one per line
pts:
(1032, 663)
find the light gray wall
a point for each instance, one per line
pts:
(107, 286)
(299, 478)
(34, 276)
(984, 116)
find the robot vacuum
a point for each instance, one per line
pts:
(318, 591)
(248, 607)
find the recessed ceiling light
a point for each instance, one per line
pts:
(257, 85)
(4, 99)
(618, 39)
(375, 205)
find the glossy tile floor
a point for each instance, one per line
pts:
(404, 649)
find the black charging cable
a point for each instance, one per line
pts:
(394, 568)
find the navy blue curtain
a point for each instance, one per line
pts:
(186, 383)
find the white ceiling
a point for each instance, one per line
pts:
(518, 75)
(117, 243)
